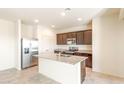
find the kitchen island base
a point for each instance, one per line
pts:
(62, 72)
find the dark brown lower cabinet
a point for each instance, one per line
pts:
(88, 60)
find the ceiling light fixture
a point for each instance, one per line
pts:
(53, 26)
(67, 9)
(36, 21)
(79, 19)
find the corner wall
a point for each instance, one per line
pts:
(108, 45)
(46, 39)
(7, 44)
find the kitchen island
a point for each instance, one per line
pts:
(66, 69)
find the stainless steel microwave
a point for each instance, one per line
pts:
(71, 41)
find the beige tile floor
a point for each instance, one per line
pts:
(99, 78)
(31, 76)
(26, 76)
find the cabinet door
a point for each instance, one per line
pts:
(80, 38)
(71, 35)
(87, 37)
(89, 61)
(59, 39)
(64, 39)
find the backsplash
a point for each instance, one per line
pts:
(80, 47)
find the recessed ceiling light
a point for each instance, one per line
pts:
(65, 11)
(79, 19)
(63, 14)
(53, 26)
(36, 20)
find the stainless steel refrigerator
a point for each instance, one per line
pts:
(28, 49)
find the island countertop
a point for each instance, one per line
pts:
(69, 59)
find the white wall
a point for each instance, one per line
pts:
(108, 45)
(83, 27)
(46, 38)
(7, 44)
(29, 31)
(73, 29)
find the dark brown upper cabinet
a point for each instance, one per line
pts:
(61, 39)
(71, 35)
(64, 38)
(88, 37)
(80, 38)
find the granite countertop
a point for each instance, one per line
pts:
(79, 51)
(69, 59)
(84, 51)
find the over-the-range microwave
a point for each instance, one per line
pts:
(71, 41)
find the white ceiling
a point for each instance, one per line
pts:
(50, 16)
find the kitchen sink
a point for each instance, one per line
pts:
(65, 55)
